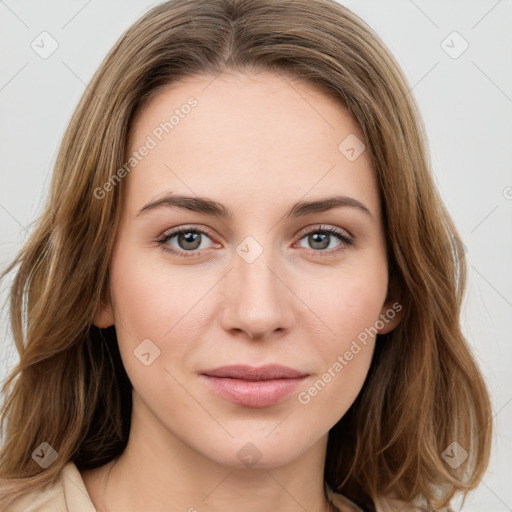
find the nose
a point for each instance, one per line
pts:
(258, 302)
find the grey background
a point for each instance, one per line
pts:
(466, 103)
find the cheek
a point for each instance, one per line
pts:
(355, 309)
(349, 307)
(163, 304)
(151, 296)
(152, 307)
(348, 301)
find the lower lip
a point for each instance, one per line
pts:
(261, 393)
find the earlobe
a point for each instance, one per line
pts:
(104, 316)
(390, 316)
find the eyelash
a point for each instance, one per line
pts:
(342, 237)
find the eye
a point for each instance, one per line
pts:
(187, 240)
(319, 239)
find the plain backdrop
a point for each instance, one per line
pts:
(457, 56)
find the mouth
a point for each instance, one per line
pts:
(253, 387)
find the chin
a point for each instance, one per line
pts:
(258, 450)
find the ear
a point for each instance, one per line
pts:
(390, 316)
(104, 316)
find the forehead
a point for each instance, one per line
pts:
(260, 138)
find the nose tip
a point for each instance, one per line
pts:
(257, 302)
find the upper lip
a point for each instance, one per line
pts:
(245, 372)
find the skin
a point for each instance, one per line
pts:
(257, 144)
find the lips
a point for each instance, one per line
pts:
(253, 387)
(244, 372)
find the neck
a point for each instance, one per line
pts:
(157, 471)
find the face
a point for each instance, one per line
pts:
(192, 291)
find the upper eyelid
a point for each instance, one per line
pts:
(324, 227)
(319, 227)
(176, 231)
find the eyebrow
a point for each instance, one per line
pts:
(208, 206)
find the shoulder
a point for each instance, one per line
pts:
(67, 494)
(50, 497)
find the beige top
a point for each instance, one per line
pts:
(69, 494)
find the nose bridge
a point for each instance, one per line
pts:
(257, 300)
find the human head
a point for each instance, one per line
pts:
(280, 301)
(67, 258)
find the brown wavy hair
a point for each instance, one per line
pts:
(423, 391)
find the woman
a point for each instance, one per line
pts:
(244, 292)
